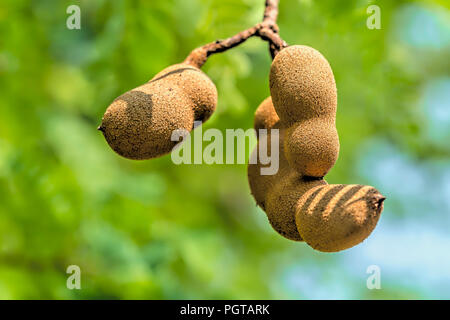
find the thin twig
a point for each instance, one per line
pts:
(271, 11)
(271, 32)
(267, 30)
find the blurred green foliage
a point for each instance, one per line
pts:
(154, 230)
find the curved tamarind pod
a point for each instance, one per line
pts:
(139, 124)
(336, 217)
(277, 194)
(259, 183)
(300, 208)
(265, 118)
(304, 96)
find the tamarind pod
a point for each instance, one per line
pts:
(312, 146)
(139, 124)
(299, 204)
(260, 184)
(302, 85)
(282, 198)
(265, 116)
(197, 86)
(304, 97)
(287, 194)
(335, 217)
(275, 194)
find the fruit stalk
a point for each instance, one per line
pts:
(267, 30)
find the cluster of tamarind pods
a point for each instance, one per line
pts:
(299, 203)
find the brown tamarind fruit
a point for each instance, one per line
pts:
(259, 184)
(299, 203)
(269, 189)
(336, 217)
(305, 98)
(281, 202)
(265, 115)
(277, 194)
(328, 217)
(139, 123)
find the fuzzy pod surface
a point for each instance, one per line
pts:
(302, 84)
(304, 96)
(336, 217)
(265, 118)
(139, 124)
(277, 194)
(281, 202)
(329, 218)
(265, 115)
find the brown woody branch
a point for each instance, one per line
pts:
(267, 30)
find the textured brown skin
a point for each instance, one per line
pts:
(265, 116)
(299, 204)
(276, 194)
(305, 98)
(336, 217)
(329, 218)
(281, 202)
(259, 184)
(196, 84)
(312, 147)
(139, 124)
(302, 84)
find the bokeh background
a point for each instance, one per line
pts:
(155, 230)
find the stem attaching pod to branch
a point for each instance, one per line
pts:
(267, 30)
